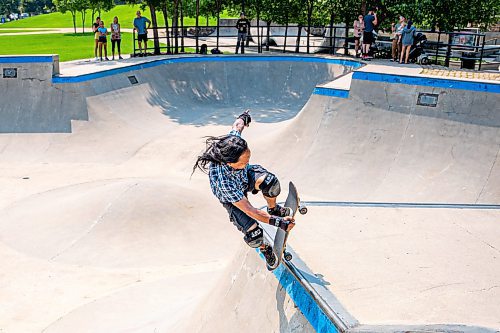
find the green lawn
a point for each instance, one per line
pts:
(125, 13)
(68, 46)
(71, 46)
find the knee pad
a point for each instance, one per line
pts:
(254, 238)
(271, 186)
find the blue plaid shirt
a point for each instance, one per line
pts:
(228, 185)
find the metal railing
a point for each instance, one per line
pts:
(188, 39)
(446, 46)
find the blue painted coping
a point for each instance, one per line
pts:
(92, 76)
(428, 82)
(331, 92)
(309, 308)
(25, 59)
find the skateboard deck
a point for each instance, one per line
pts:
(279, 246)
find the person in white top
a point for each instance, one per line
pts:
(358, 29)
(116, 37)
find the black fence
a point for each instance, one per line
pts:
(442, 48)
(466, 47)
(275, 38)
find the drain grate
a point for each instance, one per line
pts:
(133, 79)
(10, 73)
(426, 99)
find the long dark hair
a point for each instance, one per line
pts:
(410, 23)
(220, 149)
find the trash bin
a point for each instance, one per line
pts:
(468, 60)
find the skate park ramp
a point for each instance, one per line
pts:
(103, 229)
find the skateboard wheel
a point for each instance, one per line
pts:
(288, 256)
(302, 210)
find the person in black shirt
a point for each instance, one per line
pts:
(243, 26)
(95, 26)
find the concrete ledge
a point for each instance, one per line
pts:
(331, 92)
(18, 59)
(427, 81)
(198, 59)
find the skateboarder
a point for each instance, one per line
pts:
(226, 160)
(243, 26)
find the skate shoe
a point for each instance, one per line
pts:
(279, 211)
(268, 253)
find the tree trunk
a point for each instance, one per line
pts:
(268, 34)
(197, 25)
(346, 45)
(73, 14)
(286, 36)
(286, 28)
(333, 40)
(165, 16)
(175, 26)
(258, 31)
(297, 43)
(154, 22)
(182, 26)
(309, 16)
(84, 14)
(218, 22)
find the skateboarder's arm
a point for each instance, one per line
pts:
(239, 125)
(246, 207)
(242, 121)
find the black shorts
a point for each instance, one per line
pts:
(102, 39)
(241, 220)
(142, 38)
(367, 37)
(357, 38)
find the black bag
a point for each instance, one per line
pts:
(203, 49)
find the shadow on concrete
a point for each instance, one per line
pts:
(297, 322)
(215, 93)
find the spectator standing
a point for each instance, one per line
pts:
(142, 31)
(370, 21)
(243, 26)
(358, 27)
(116, 37)
(95, 26)
(396, 38)
(103, 32)
(407, 37)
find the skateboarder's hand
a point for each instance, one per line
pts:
(285, 223)
(245, 116)
(291, 222)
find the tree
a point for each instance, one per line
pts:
(82, 6)
(9, 6)
(100, 5)
(68, 6)
(35, 6)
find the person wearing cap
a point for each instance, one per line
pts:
(243, 26)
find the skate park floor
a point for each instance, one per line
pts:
(104, 229)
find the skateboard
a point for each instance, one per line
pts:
(279, 247)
